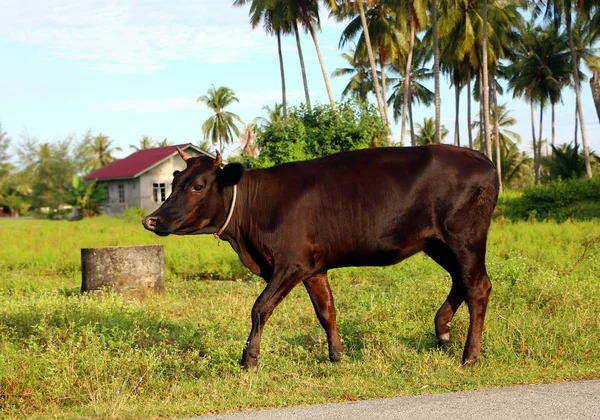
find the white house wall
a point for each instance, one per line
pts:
(138, 191)
(132, 195)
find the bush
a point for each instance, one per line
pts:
(319, 132)
(560, 200)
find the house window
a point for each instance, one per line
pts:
(121, 193)
(158, 192)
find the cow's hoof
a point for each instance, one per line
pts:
(249, 362)
(443, 339)
(469, 362)
(442, 342)
(335, 357)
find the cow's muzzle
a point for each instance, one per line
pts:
(154, 224)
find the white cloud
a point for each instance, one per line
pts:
(133, 35)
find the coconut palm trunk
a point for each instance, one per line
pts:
(595, 86)
(469, 121)
(531, 103)
(302, 66)
(313, 35)
(456, 106)
(436, 71)
(283, 90)
(382, 63)
(407, 83)
(553, 125)
(584, 142)
(486, 85)
(538, 164)
(497, 135)
(576, 125)
(413, 141)
(363, 19)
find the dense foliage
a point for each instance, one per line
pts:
(560, 200)
(308, 134)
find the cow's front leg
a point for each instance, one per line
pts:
(282, 282)
(322, 299)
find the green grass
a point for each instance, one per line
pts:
(71, 356)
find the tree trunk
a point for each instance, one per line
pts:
(313, 34)
(497, 136)
(595, 86)
(534, 143)
(436, 72)
(469, 122)
(369, 46)
(283, 91)
(302, 67)
(486, 85)
(456, 106)
(538, 164)
(584, 142)
(383, 85)
(413, 141)
(553, 128)
(407, 83)
(482, 146)
(576, 125)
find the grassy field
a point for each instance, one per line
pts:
(71, 356)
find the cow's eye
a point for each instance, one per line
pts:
(198, 187)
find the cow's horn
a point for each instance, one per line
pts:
(218, 159)
(184, 155)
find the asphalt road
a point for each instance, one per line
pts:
(568, 400)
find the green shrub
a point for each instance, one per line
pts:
(319, 132)
(560, 200)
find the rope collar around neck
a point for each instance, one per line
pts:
(218, 234)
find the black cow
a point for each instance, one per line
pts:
(292, 222)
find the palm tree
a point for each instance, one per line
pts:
(566, 162)
(538, 74)
(276, 20)
(384, 31)
(516, 166)
(436, 71)
(506, 137)
(556, 9)
(358, 4)
(163, 143)
(145, 142)
(417, 18)
(418, 93)
(220, 128)
(427, 133)
(360, 83)
(307, 13)
(274, 115)
(97, 151)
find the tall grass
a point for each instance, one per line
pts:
(73, 356)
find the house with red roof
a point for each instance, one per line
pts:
(142, 179)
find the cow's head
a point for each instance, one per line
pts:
(197, 202)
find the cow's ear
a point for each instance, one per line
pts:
(230, 174)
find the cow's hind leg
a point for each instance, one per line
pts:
(322, 299)
(445, 257)
(478, 289)
(280, 284)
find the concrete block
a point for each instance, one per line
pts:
(123, 269)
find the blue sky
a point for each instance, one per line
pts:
(130, 68)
